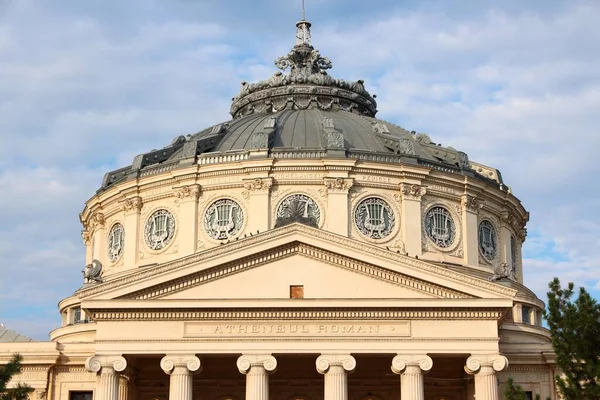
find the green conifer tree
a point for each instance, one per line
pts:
(514, 392)
(575, 329)
(11, 369)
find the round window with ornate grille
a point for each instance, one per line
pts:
(374, 218)
(298, 208)
(223, 219)
(440, 227)
(488, 240)
(116, 242)
(159, 229)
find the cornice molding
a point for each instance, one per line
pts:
(348, 243)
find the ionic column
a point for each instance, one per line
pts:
(335, 367)
(410, 367)
(126, 389)
(180, 368)
(107, 386)
(484, 367)
(256, 367)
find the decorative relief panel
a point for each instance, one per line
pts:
(223, 219)
(488, 239)
(116, 242)
(159, 229)
(258, 185)
(338, 185)
(442, 227)
(133, 204)
(411, 191)
(375, 217)
(298, 204)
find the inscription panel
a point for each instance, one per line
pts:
(299, 329)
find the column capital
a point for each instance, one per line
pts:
(338, 185)
(476, 362)
(246, 361)
(471, 203)
(97, 362)
(325, 361)
(189, 361)
(412, 191)
(401, 361)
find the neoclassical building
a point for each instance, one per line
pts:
(302, 250)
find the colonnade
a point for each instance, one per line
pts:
(334, 367)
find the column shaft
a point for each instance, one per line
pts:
(108, 385)
(180, 385)
(411, 383)
(123, 388)
(336, 383)
(257, 383)
(486, 386)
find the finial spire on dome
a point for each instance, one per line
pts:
(303, 29)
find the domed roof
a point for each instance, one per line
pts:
(301, 113)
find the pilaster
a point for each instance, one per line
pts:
(97, 226)
(484, 367)
(187, 201)
(411, 217)
(335, 367)
(338, 214)
(410, 367)
(180, 368)
(257, 367)
(107, 385)
(470, 209)
(132, 208)
(257, 193)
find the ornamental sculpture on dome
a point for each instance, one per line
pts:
(307, 85)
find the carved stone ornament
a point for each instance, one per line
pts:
(86, 236)
(335, 140)
(169, 362)
(406, 146)
(471, 203)
(247, 361)
(189, 192)
(338, 185)
(223, 219)
(258, 185)
(93, 272)
(325, 362)
(480, 362)
(132, 204)
(116, 242)
(501, 272)
(159, 229)
(402, 361)
(96, 220)
(507, 219)
(97, 363)
(412, 192)
(374, 218)
(488, 240)
(439, 226)
(298, 208)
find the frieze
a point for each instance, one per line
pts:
(375, 178)
(315, 233)
(295, 315)
(224, 179)
(199, 330)
(444, 189)
(298, 175)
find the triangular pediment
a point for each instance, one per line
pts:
(328, 266)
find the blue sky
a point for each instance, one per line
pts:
(87, 85)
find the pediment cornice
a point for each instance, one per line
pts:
(307, 241)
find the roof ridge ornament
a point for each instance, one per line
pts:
(303, 29)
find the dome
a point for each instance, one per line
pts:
(302, 112)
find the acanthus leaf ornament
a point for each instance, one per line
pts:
(472, 203)
(412, 191)
(132, 204)
(338, 185)
(190, 191)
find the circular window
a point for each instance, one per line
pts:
(116, 242)
(298, 208)
(374, 218)
(160, 229)
(223, 219)
(488, 240)
(439, 227)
